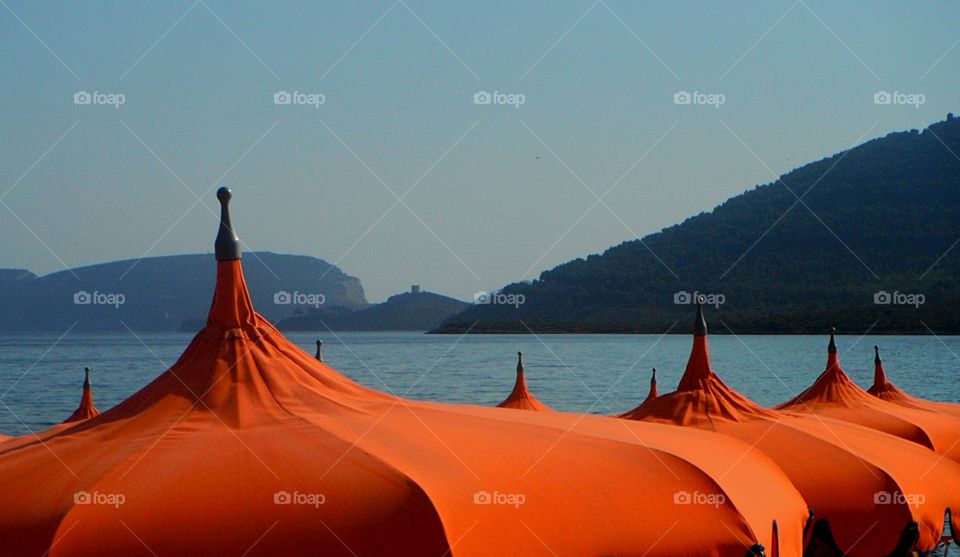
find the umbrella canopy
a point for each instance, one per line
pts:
(521, 398)
(249, 446)
(883, 388)
(651, 396)
(845, 472)
(86, 410)
(835, 395)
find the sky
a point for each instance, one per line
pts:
(388, 160)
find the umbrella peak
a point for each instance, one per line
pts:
(654, 393)
(698, 366)
(86, 409)
(319, 354)
(227, 245)
(521, 397)
(231, 312)
(879, 374)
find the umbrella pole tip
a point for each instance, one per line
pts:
(699, 323)
(832, 347)
(86, 377)
(876, 354)
(653, 377)
(519, 361)
(319, 354)
(227, 245)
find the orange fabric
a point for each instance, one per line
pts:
(244, 416)
(86, 410)
(884, 389)
(839, 468)
(521, 398)
(835, 395)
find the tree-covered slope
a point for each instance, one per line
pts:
(881, 217)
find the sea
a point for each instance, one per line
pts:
(41, 375)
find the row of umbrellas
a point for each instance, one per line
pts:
(834, 438)
(247, 445)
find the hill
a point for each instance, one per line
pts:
(410, 311)
(868, 234)
(166, 293)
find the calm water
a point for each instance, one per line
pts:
(40, 378)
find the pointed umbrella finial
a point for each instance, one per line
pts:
(319, 354)
(519, 362)
(653, 394)
(832, 347)
(700, 324)
(86, 378)
(876, 354)
(227, 245)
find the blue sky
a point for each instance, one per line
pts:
(497, 193)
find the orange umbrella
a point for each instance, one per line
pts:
(248, 445)
(835, 395)
(886, 390)
(521, 398)
(86, 410)
(651, 396)
(845, 472)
